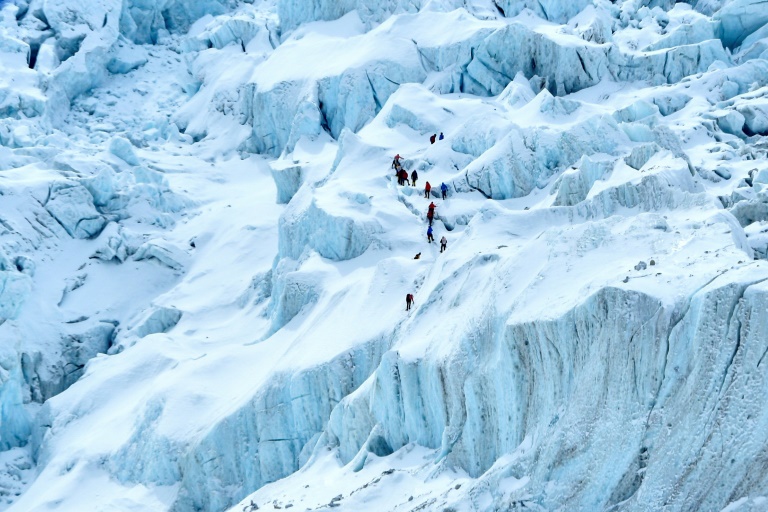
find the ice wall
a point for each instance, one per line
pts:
(274, 435)
(144, 22)
(525, 159)
(622, 392)
(281, 109)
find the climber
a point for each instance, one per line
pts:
(430, 238)
(427, 190)
(408, 301)
(441, 136)
(404, 177)
(444, 190)
(432, 138)
(443, 244)
(430, 216)
(414, 177)
(432, 206)
(396, 161)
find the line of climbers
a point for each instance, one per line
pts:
(402, 178)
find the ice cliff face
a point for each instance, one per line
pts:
(203, 255)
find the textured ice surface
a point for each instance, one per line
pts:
(204, 251)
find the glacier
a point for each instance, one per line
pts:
(204, 252)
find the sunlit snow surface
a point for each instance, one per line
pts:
(204, 255)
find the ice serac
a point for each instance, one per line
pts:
(72, 206)
(85, 32)
(156, 319)
(14, 289)
(265, 438)
(19, 85)
(334, 233)
(86, 44)
(526, 159)
(293, 13)
(755, 115)
(638, 423)
(712, 389)
(288, 179)
(282, 107)
(353, 88)
(574, 184)
(16, 424)
(143, 21)
(49, 373)
(292, 291)
(668, 185)
(740, 18)
(732, 122)
(125, 59)
(551, 10)
(577, 64)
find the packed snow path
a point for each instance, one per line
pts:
(204, 253)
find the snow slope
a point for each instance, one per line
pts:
(204, 253)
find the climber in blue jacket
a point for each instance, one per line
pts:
(444, 190)
(430, 238)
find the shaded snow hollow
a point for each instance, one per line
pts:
(204, 254)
